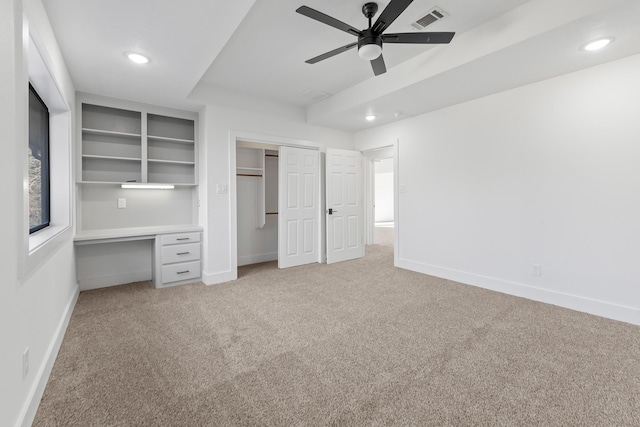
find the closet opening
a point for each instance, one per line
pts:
(276, 204)
(257, 202)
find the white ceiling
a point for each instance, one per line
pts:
(182, 38)
(267, 54)
(257, 48)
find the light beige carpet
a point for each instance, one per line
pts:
(354, 343)
(383, 234)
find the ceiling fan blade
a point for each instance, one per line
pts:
(331, 53)
(389, 14)
(378, 66)
(326, 19)
(420, 38)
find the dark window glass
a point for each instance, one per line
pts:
(39, 210)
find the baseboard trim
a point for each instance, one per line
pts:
(114, 279)
(255, 259)
(574, 302)
(215, 278)
(28, 413)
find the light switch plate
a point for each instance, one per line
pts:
(122, 203)
(221, 188)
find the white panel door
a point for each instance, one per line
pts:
(345, 208)
(298, 210)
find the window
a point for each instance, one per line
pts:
(39, 191)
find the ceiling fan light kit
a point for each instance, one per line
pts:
(369, 45)
(370, 40)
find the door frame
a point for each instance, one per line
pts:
(370, 156)
(257, 138)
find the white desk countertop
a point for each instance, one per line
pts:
(87, 237)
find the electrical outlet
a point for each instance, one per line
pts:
(536, 270)
(122, 203)
(25, 363)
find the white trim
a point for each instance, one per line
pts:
(114, 279)
(256, 258)
(574, 302)
(42, 244)
(28, 412)
(273, 140)
(189, 113)
(369, 198)
(396, 202)
(222, 277)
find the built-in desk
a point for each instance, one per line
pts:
(175, 251)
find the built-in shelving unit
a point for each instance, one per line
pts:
(121, 233)
(120, 146)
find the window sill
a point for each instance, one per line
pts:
(41, 238)
(42, 244)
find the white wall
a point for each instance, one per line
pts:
(384, 190)
(544, 174)
(246, 116)
(33, 307)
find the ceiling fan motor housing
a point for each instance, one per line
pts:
(369, 37)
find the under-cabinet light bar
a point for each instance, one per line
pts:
(149, 186)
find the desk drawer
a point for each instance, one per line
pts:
(172, 239)
(180, 253)
(182, 271)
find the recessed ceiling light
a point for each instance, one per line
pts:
(597, 44)
(137, 58)
(370, 118)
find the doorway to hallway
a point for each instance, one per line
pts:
(382, 220)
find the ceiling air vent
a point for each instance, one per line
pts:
(314, 95)
(432, 16)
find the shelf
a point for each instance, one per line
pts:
(177, 184)
(249, 169)
(110, 133)
(167, 139)
(127, 159)
(171, 173)
(176, 162)
(98, 119)
(170, 129)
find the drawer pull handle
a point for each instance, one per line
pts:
(183, 272)
(183, 238)
(183, 253)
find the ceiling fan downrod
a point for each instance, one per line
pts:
(369, 10)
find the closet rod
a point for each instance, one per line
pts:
(247, 174)
(271, 213)
(271, 155)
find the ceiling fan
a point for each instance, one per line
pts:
(370, 40)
